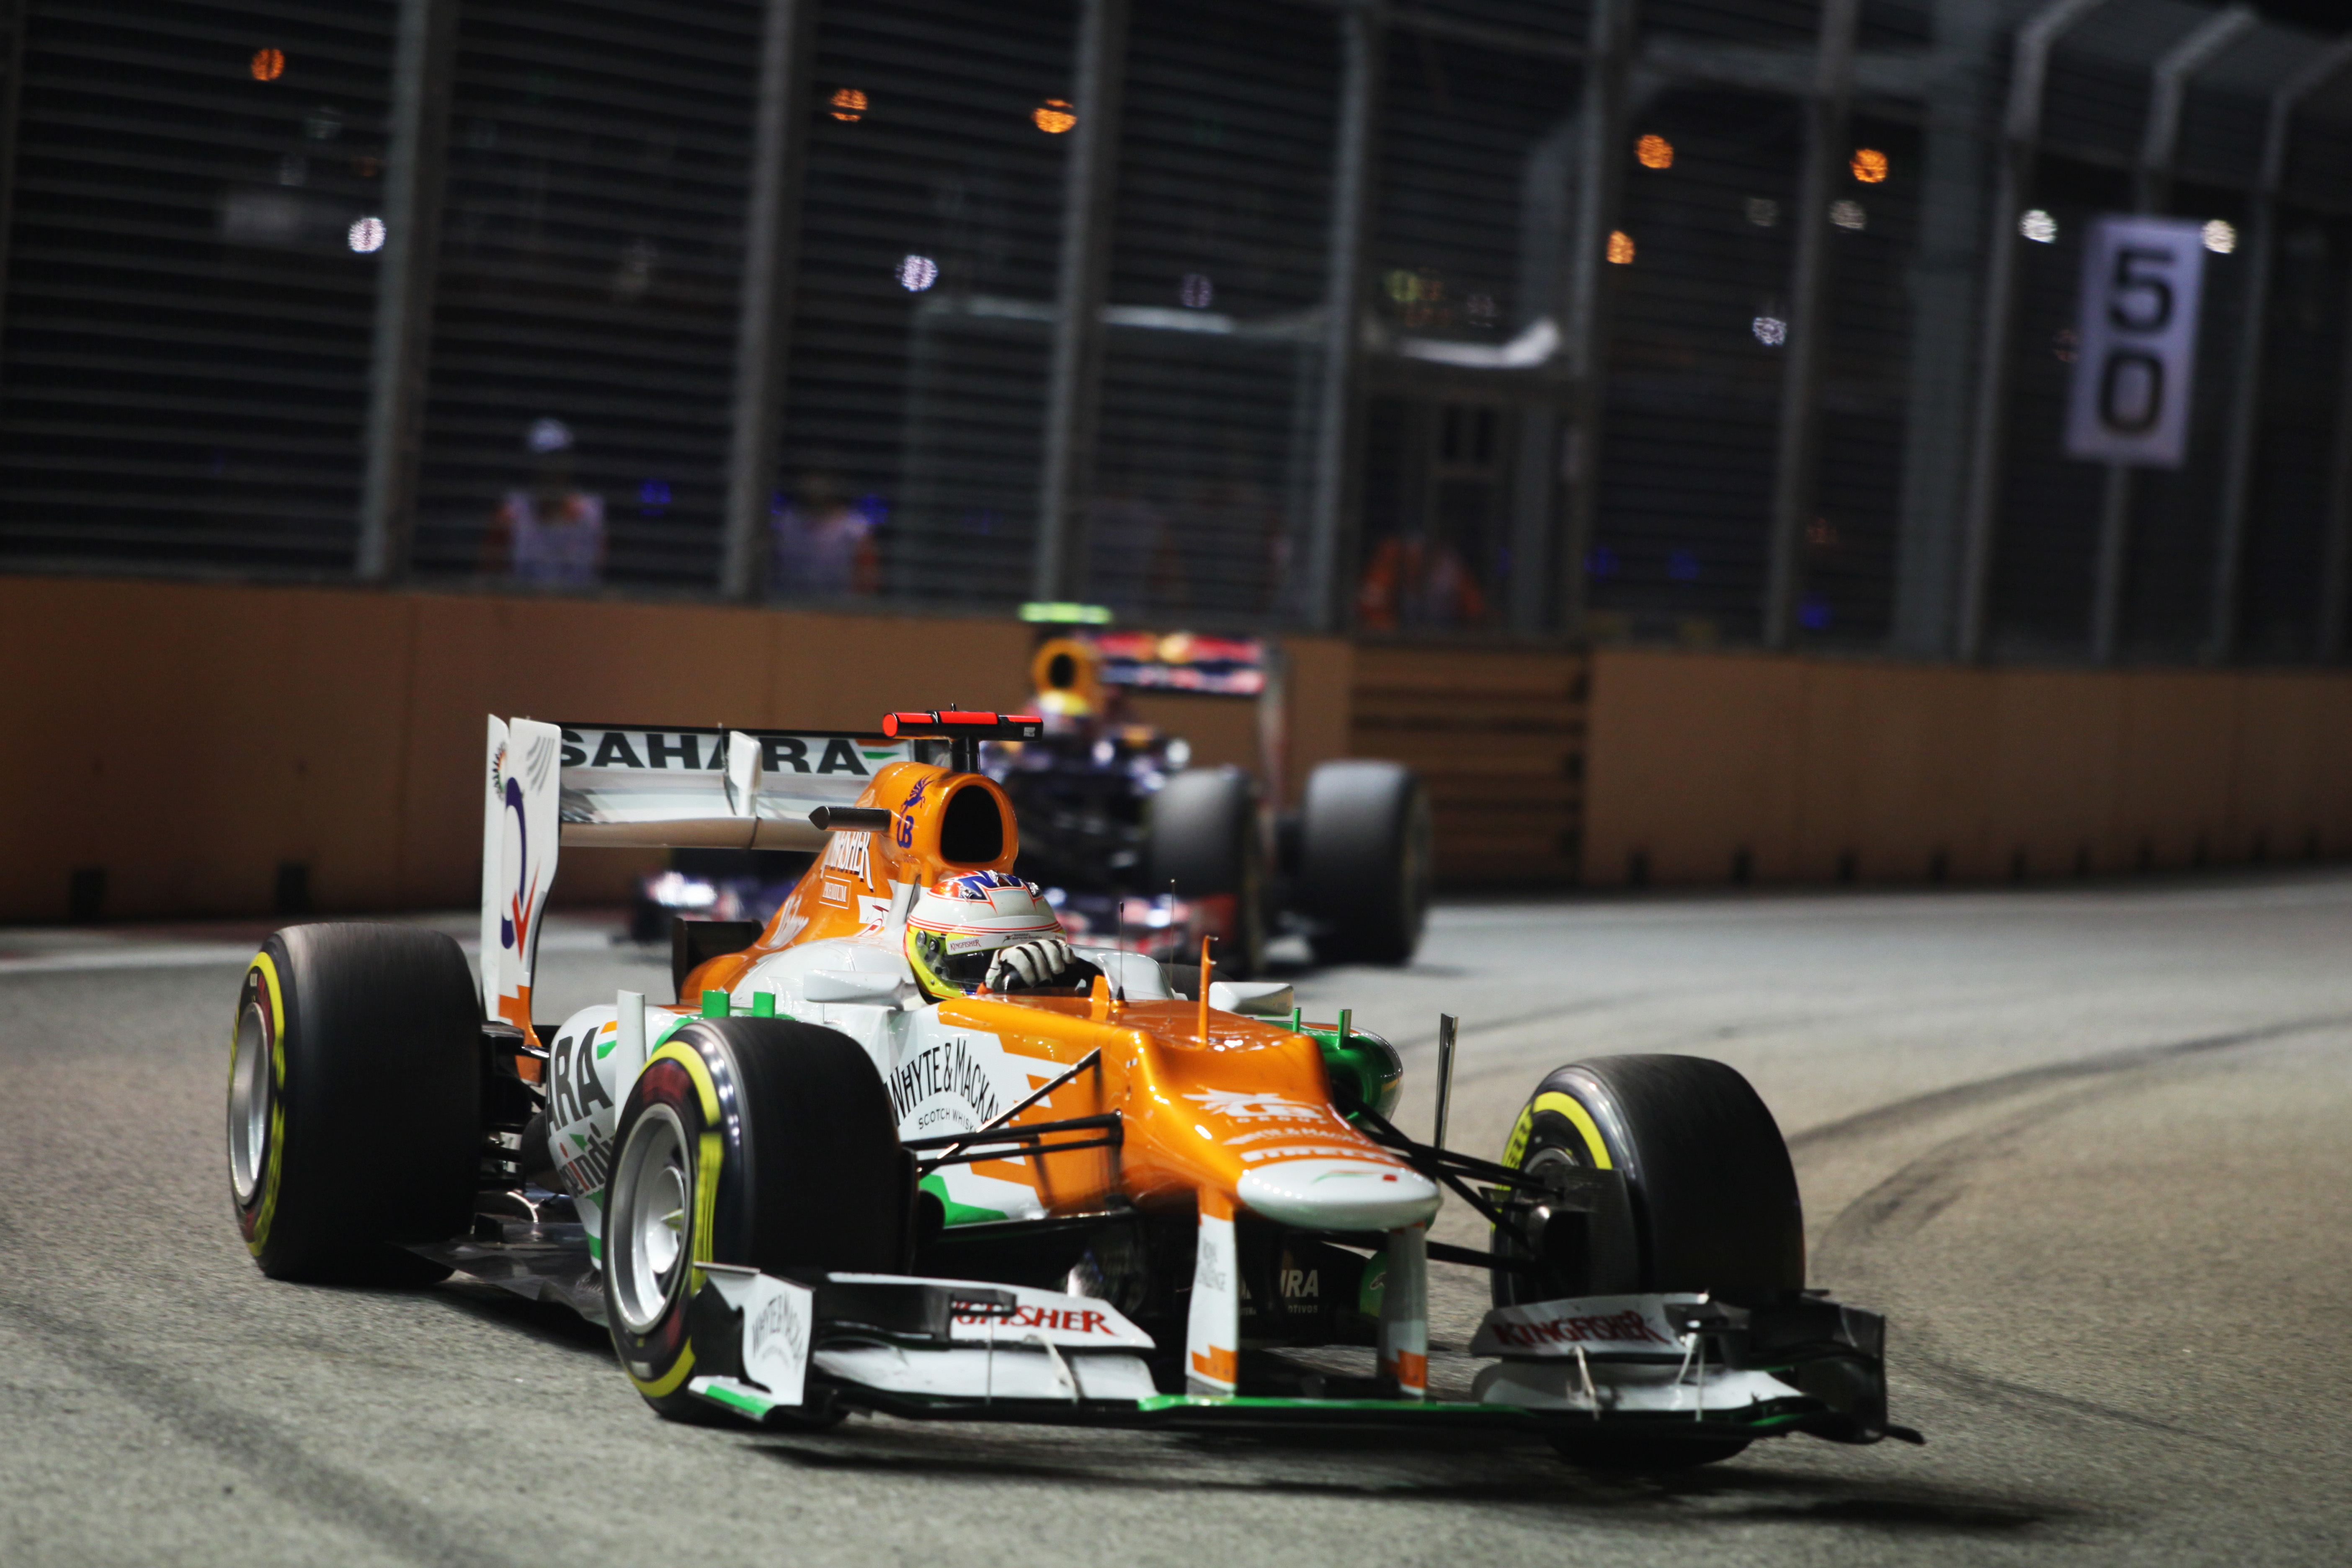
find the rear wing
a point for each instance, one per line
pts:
(611, 786)
(1183, 661)
(722, 789)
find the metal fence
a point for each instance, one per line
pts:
(1741, 322)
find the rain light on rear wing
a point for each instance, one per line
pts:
(667, 788)
(957, 725)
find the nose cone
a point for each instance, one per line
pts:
(1338, 1195)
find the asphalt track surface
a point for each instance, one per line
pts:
(2086, 1147)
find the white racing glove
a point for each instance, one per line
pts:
(1026, 963)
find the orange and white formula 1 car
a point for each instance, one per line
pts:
(907, 1150)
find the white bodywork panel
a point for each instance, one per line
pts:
(1404, 1311)
(779, 1323)
(1212, 1329)
(591, 1062)
(1045, 1317)
(1609, 1353)
(1049, 1346)
(1334, 1187)
(1623, 1389)
(1594, 1326)
(1132, 975)
(1010, 1371)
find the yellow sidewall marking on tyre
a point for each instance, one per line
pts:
(705, 1206)
(268, 1204)
(696, 1068)
(679, 1370)
(1567, 1106)
(708, 1155)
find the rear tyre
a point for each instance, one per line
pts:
(1711, 1204)
(355, 1102)
(1203, 837)
(1364, 861)
(760, 1141)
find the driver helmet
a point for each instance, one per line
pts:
(957, 926)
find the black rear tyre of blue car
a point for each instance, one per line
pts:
(1364, 861)
(1711, 1204)
(760, 1141)
(355, 1102)
(1203, 841)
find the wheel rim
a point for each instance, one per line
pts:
(250, 1087)
(650, 1223)
(1537, 1286)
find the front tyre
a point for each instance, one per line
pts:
(761, 1141)
(1709, 1203)
(354, 1104)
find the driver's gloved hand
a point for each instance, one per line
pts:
(1043, 962)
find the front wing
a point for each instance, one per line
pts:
(1660, 1365)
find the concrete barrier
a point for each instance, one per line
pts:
(1715, 767)
(183, 750)
(180, 749)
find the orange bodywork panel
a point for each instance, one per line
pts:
(837, 898)
(1192, 1110)
(1202, 1095)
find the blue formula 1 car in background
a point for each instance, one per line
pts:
(1137, 849)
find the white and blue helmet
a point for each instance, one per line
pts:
(985, 928)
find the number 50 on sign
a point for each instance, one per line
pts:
(2137, 323)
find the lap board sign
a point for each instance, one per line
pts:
(2137, 325)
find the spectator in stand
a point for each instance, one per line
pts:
(1413, 582)
(824, 546)
(553, 531)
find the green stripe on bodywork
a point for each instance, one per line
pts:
(1159, 1402)
(1716, 1421)
(733, 1399)
(959, 1214)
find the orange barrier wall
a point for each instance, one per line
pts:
(189, 739)
(1812, 770)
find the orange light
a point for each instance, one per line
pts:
(1869, 166)
(269, 65)
(1053, 117)
(848, 103)
(1621, 247)
(1654, 152)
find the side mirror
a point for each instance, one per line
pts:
(1134, 976)
(1253, 998)
(864, 986)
